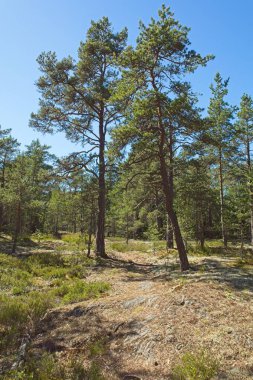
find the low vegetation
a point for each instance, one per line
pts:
(200, 366)
(32, 285)
(48, 368)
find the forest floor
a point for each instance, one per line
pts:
(153, 315)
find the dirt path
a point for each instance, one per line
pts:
(153, 314)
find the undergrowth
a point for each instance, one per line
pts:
(196, 366)
(48, 368)
(35, 284)
(121, 246)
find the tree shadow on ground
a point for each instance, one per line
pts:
(75, 331)
(83, 327)
(220, 270)
(146, 271)
(25, 248)
(208, 269)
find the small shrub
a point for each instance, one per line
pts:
(13, 312)
(94, 372)
(198, 366)
(15, 279)
(38, 303)
(46, 368)
(97, 348)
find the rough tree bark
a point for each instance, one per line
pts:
(100, 235)
(167, 180)
(169, 235)
(172, 215)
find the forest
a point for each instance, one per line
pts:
(158, 190)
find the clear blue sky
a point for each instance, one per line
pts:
(28, 27)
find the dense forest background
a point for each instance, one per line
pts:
(152, 165)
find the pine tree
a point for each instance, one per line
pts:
(159, 101)
(8, 151)
(222, 131)
(245, 136)
(76, 99)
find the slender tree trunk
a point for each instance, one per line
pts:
(167, 179)
(251, 214)
(201, 228)
(89, 237)
(242, 238)
(167, 185)
(222, 206)
(100, 236)
(127, 228)
(202, 232)
(159, 219)
(172, 216)
(1, 204)
(250, 187)
(17, 228)
(1, 215)
(169, 235)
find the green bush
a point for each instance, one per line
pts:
(15, 279)
(18, 313)
(72, 238)
(200, 366)
(79, 290)
(46, 259)
(13, 313)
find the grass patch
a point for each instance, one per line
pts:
(133, 245)
(77, 241)
(243, 263)
(167, 253)
(200, 366)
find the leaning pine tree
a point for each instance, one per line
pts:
(159, 102)
(76, 100)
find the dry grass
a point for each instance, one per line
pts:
(153, 322)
